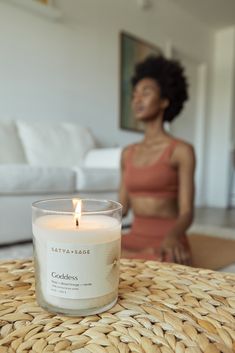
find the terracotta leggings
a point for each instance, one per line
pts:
(146, 233)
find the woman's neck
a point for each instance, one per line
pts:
(154, 131)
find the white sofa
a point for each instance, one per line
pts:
(43, 160)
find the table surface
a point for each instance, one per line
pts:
(162, 308)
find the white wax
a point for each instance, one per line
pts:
(60, 229)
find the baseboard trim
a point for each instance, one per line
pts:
(21, 242)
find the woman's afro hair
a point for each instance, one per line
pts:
(169, 74)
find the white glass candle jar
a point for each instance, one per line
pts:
(77, 252)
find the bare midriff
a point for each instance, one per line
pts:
(146, 206)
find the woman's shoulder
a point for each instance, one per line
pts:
(180, 144)
(183, 149)
(127, 152)
(128, 149)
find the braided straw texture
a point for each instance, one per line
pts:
(162, 308)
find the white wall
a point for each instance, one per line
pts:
(221, 117)
(190, 126)
(71, 69)
(36, 66)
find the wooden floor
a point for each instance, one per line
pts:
(213, 251)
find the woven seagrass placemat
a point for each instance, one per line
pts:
(162, 308)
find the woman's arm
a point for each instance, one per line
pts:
(184, 158)
(123, 194)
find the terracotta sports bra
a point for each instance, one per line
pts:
(160, 179)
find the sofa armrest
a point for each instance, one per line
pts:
(97, 179)
(108, 158)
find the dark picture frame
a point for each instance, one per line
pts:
(132, 51)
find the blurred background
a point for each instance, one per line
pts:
(61, 60)
(65, 64)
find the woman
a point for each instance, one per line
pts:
(158, 173)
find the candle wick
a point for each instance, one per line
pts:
(77, 223)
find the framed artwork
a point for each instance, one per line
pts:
(132, 51)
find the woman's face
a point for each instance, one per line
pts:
(147, 103)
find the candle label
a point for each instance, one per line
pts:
(79, 272)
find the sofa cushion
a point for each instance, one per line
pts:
(58, 144)
(25, 179)
(97, 179)
(103, 158)
(11, 149)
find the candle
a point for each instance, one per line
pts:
(77, 255)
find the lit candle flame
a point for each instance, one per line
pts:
(77, 204)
